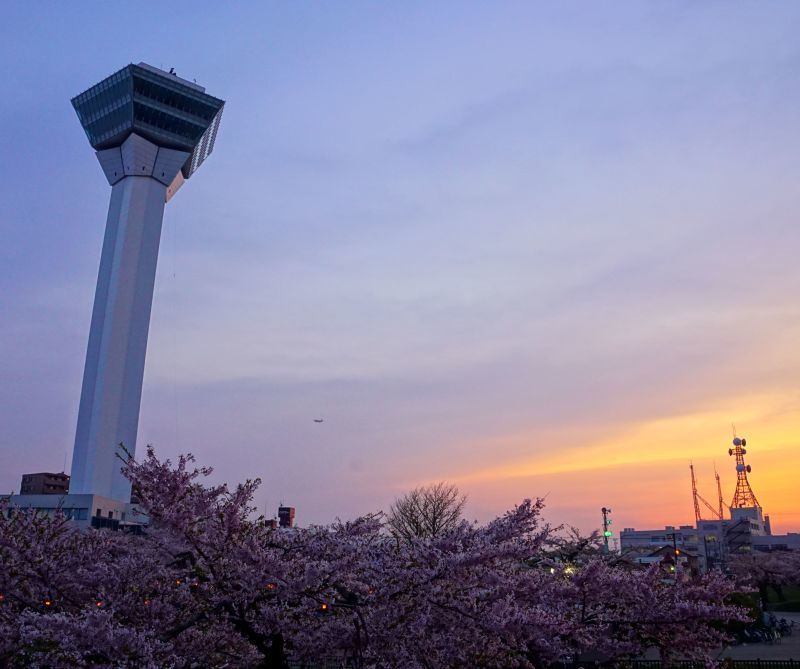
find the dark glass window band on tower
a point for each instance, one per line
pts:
(155, 105)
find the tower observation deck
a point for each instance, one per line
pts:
(151, 131)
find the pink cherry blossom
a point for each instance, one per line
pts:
(211, 584)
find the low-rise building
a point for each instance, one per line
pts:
(673, 560)
(684, 537)
(286, 516)
(44, 483)
(777, 542)
(714, 541)
(85, 510)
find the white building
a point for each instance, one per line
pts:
(84, 509)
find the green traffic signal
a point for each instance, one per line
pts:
(607, 533)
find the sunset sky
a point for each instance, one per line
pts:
(533, 249)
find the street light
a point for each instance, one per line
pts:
(606, 532)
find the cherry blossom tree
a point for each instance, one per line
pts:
(766, 571)
(209, 583)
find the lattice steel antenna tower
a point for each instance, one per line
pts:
(151, 131)
(744, 497)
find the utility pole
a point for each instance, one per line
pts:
(675, 553)
(606, 532)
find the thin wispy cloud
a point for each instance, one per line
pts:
(507, 247)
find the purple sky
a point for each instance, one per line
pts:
(487, 243)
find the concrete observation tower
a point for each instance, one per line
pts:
(151, 131)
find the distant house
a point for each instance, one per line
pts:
(684, 562)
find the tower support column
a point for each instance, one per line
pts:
(112, 380)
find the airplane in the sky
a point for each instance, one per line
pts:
(319, 420)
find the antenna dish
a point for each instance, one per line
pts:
(737, 441)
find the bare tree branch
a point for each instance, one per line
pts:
(427, 512)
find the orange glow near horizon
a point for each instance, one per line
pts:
(642, 470)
